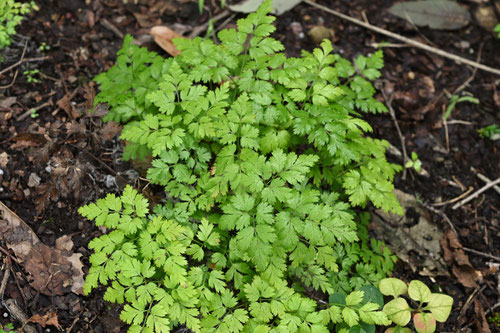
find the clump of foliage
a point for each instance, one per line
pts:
(7, 328)
(11, 14)
(497, 30)
(489, 131)
(431, 307)
(263, 159)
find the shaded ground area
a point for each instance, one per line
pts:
(56, 156)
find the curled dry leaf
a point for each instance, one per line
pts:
(163, 36)
(110, 130)
(459, 261)
(54, 271)
(49, 318)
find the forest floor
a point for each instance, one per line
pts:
(55, 156)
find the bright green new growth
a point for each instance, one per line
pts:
(262, 158)
(497, 30)
(437, 308)
(11, 14)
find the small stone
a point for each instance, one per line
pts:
(110, 181)
(318, 33)
(33, 180)
(411, 75)
(486, 17)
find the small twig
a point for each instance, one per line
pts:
(388, 45)
(485, 179)
(492, 308)
(461, 196)
(406, 40)
(469, 80)
(486, 255)
(477, 193)
(398, 129)
(199, 29)
(12, 82)
(36, 108)
(6, 275)
(110, 26)
(469, 300)
(443, 216)
(226, 21)
(17, 63)
(73, 324)
(459, 122)
(25, 60)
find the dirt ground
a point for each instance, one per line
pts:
(55, 156)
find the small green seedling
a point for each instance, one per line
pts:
(497, 30)
(494, 319)
(33, 113)
(454, 100)
(491, 132)
(31, 75)
(201, 4)
(8, 328)
(44, 47)
(414, 163)
(437, 307)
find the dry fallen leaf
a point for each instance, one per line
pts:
(47, 319)
(412, 237)
(480, 318)
(459, 261)
(54, 271)
(163, 37)
(7, 103)
(110, 130)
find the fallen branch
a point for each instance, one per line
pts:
(485, 179)
(409, 41)
(477, 193)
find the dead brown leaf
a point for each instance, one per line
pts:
(54, 271)
(75, 127)
(23, 140)
(163, 37)
(49, 318)
(456, 258)
(110, 131)
(68, 107)
(480, 318)
(8, 102)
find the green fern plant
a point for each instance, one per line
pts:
(263, 159)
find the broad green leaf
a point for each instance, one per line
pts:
(398, 329)
(440, 305)
(418, 291)
(398, 311)
(362, 328)
(393, 287)
(424, 322)
(372, 295)
(337, 298)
